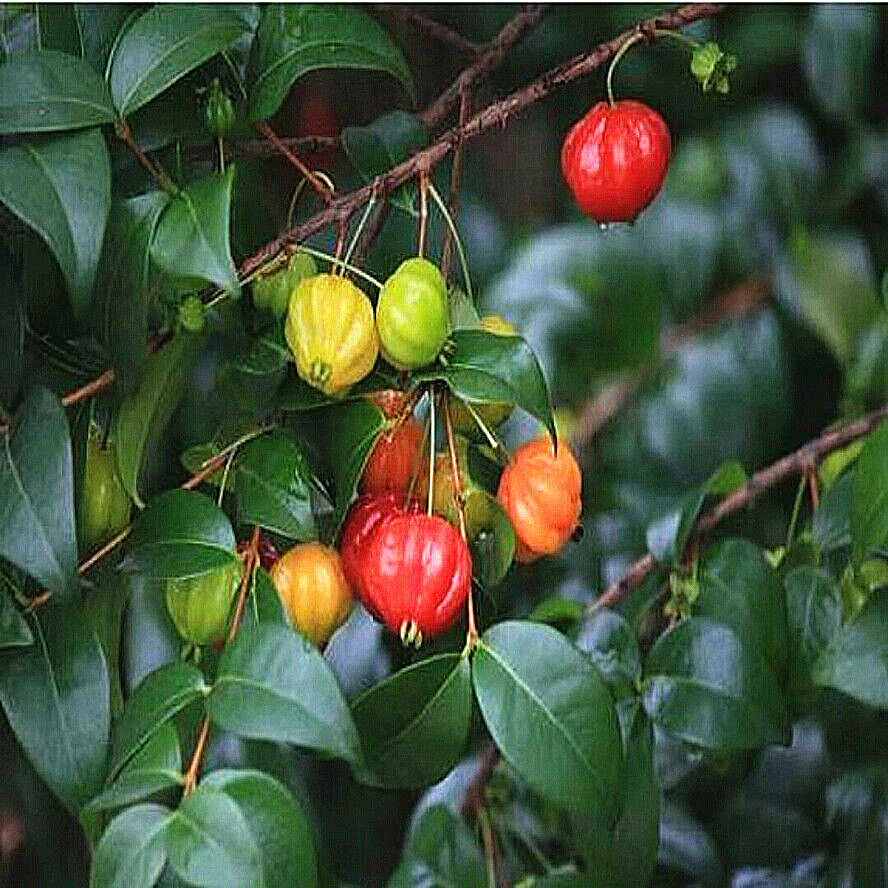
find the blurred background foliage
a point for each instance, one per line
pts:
(744, 309)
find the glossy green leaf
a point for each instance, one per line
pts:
(156, 766)
(120, 307)
(192, 235)
(37, 531)
(252, 378)
(414, 724)
(857, 660)
(549, 713)
(869, 495)
(60, 186)
(147, 409)
(610, 642)
(441, 853)
(831, 527)
(706, 685)
(279, 827)
(295, 38)
(667, 536)
(264, 604)
(273, 484)
(99, 24)
(298, 396)
(486, 368)
(56, 697)
(491, 538)
(51, 90)
(209, 843)
(273, 685)
(814, 608)
(131, 853)
(160, 695)
(165, 43)
(14, 630)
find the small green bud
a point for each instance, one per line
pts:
(711, 66)
(219, 114)
(191, 314)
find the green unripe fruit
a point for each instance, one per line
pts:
(199, 606)
(272, 292)
(412, 315)
(104, 503)
(219, 114)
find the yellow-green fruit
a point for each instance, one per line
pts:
(104, 503)
(272, 292)
(412, 315)
(493, 414)
(199, 606)
(331, 333)
(313, 590)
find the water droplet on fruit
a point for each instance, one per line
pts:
(603, 226)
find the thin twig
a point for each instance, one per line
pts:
(473, 798)
(492, 117)
(429, 28)
(800, 462)
(124, 133)
(320, 187)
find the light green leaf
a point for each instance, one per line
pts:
(869, 495)
(131, 853)
(14, 631)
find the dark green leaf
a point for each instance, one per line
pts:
(486, 368)
(491, 538)
(252, 378)
(273, 685)
(144, 413)
(12, 334)
(131, 853)
(831, 527)
(610, 642)
(549, 713)
(441, 854)
(297, 395)
(415, 723)
(37, 530)
(191, 239)
(869, 495)
(51, 90)
(667, 536)
(277, 824)
(120, 317)
(857, 661)
(102, 604)
(14, 630)
(159, 697)
(295, 38)
(704, 684)
(165, 43)
(99, 25)
(555, 610)
(264, 605)
(181, 534)
(156, 766)
(273, 484)
(814, 609)
(56, 697)
(209, 842)
(58, 27)
(61, 187)
(686, 847)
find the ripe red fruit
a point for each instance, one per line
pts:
(417, 575)
(363, 518)
(541, 495)
(615, 158)
(394, 460)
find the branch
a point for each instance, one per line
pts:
(429, 28)
(493, 116)
(801, 462)
(325, 193)
(124, 133)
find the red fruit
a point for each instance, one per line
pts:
(541, 495)
(417, 575)
(394, 460)
(363, 518)
(614, 160)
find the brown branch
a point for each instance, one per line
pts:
(428, 27)
(124, 133)
(320, 187)
(800, 462)
(473, 798)
(493, 116)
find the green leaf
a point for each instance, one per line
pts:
(610, 642)
(209, 842)
(252, 378)
(831, 526)
(441, 854)
(99, 24)
(297, 395)
(486, 368)
(156, 766)
(273, 484)
(814, 608)
(856, 663)
(192, 236)
(869, 495)
(56, 697)
(146, 410)
(295, 38)
(712, 67)
(120, 307)
(131, 853)
(58, 27)
(37, 531)
(14, 630)
(414, 724)
(667, 536)
(264, 605)
(491, 538)
(160, 695)
(279, 827)
(51, 90)
(164, 44)
(181, 534)
(61, 187)
(273, 685)
(549, 713)
(704, 684)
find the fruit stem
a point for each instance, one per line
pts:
(423, 209)
(320, 254)
(356, 236)
(203, 735)
(323, 190)
(692, 42)
(456, 238)
(635, 38)
(803, 484)
(431, 498)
